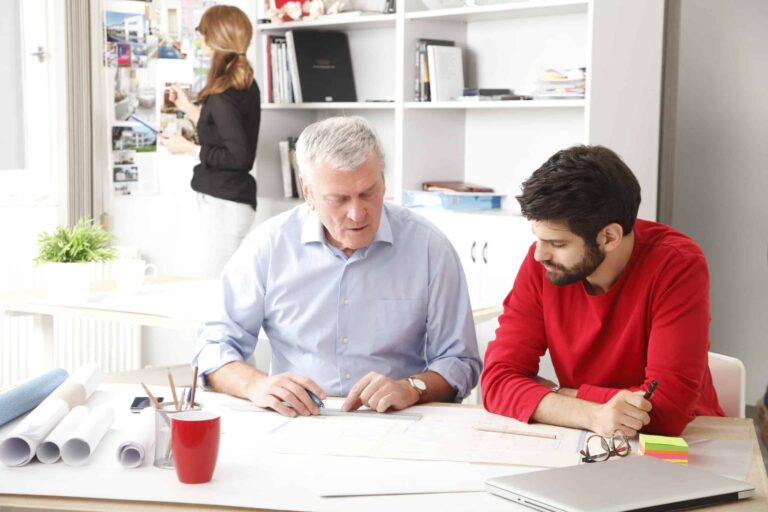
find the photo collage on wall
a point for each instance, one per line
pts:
(145, 48)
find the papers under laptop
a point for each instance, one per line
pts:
(632, 484)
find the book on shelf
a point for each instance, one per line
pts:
(421, 90)
(446, 72)
(453, 186)
(321, 66)
(290, 169)
(278, 81)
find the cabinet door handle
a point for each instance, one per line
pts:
(485, 253)
(472, 251)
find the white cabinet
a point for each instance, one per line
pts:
(491, 248)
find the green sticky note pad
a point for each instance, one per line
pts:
(651, 442)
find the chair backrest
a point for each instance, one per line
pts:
(730, 380)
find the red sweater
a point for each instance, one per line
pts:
(652, 324)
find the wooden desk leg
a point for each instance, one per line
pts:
(42, 349)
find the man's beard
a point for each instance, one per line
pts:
(564, 276)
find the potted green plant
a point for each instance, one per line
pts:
(68, 255)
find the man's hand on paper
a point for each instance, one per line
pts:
(286, 393)
(380, 393)
(626, 411)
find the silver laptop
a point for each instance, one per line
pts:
(632, 484)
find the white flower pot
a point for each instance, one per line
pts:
(69, 283)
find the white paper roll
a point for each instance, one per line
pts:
(19, 448)
(49, 450)
(78, 448)
(138, 440)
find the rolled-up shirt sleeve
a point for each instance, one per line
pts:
(451, 347)
(232, 331)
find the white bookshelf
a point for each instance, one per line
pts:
(496, 143)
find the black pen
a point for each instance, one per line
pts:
(649, 392)
(315, 399)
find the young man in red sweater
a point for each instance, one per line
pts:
(618, 302)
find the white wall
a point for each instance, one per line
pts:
(720, 175)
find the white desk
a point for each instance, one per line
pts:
(268, 480)
(170, 301)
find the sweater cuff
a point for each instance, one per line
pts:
(596, 394)
(532, 399)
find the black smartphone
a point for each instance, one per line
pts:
(142, 402)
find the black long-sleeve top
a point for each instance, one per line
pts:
(229, 131)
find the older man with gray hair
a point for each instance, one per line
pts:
(358, 298)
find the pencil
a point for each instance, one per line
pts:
(191, 404)
(176, 403)
(502, 430)
(152, 398)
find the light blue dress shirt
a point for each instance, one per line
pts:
(397, 307)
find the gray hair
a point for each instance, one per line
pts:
(345, 143)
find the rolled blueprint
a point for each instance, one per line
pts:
(28, 395)
(49, 450)
(20, 446)
(78, 448)
(138, 441)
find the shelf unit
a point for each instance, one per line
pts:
(495, 143)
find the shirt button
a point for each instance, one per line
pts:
(345, 301)
(345, 340)
(347, 376)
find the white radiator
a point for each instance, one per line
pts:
(115, 346)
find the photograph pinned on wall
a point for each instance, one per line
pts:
(135, 94)
(125, 173)
(125, 179)
(136, 43)
(165, 22)
(137, 138)
(172, 120)
(126, 27)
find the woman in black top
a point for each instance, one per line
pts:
(228, 127)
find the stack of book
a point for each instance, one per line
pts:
(670, 449)
(290, 169)
(308, 66)
(439, 71)
(562, 83)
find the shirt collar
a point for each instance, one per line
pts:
(312, 230)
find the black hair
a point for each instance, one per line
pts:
(588, 187)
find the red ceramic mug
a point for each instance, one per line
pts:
(195, 441)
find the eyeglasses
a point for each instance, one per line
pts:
(599, 448)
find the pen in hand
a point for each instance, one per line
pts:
(315, 399)
(649, 392)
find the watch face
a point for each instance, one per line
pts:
(418, 384)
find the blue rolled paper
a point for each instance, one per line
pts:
(28, 395)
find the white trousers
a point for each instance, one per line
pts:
(221, 226)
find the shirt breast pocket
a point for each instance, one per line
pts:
(400, 324)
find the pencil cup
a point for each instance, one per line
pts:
(195, 439)
(163, 454)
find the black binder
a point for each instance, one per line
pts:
(324, 66)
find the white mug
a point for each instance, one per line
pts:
(130, 275)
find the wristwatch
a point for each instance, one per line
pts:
(417, 384)
(556, 388)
